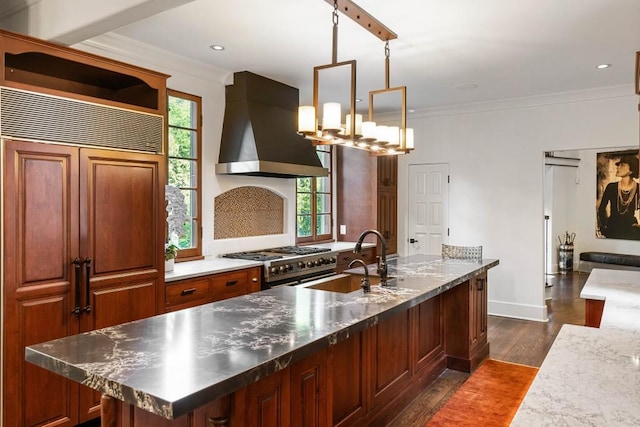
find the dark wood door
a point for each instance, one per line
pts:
(40, 243)
(120, 231)
(388, 220)
(390, 359)
(309, 391)
(267, 402)
(430, 332)
(347, 366)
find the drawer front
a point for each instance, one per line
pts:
(368, 255)
(230, 285)
(186, 291)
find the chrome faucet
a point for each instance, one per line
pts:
(364, 282)
(382, 259)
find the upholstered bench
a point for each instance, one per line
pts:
(590, 260)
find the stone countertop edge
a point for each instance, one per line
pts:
(215, 265)
(67, 356)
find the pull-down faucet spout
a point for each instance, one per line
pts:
(382, 259)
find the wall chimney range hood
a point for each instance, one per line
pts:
(259, 132)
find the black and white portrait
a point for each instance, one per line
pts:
(617, 202)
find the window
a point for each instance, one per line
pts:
(313, 202)
(184, 157)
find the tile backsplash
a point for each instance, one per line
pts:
(248, 211)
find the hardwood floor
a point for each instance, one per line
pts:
(511, 340)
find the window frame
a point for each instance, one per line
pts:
(314, 237)
(195, 252)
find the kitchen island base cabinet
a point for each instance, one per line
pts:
(593, 312)
(466, 343)
(363, 380)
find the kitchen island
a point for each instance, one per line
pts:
(288, 355)
(591, 376)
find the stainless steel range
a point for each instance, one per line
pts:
(291, 265)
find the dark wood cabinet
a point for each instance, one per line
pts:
(363, 380)
(368, 255)
(389, 358)
(593, 312)
(429, 333)
(73, 262)
(265, 403)
(215, 287)
(466, 342)
(347, 361)
(367, 195)
(309, 402)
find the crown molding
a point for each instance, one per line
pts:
(568, 97)
(142, 54)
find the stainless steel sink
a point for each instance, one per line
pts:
(343, 283)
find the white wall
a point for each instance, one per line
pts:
(496, 195)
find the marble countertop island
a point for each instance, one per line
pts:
(591, 376)
(172, 363)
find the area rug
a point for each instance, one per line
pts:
(489, 397)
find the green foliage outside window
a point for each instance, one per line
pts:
(313, 202)
(183, 160)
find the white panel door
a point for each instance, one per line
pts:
(428, 208)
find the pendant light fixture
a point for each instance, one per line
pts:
(354, 132)
(394, 137)
(331, 129)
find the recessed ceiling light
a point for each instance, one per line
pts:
(217, 47)
(411, 110)
(358, 100)
(603, 66)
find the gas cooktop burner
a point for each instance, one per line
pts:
(298, 250)
(253, 256)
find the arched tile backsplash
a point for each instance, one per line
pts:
(248, 211)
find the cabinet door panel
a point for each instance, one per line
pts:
(348, 381)
(267, 401)
(308, 392)
(390, 357)
(430, 339)
(40, 210)
(120, 232)
(119, 212)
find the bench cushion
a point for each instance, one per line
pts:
(610, 258)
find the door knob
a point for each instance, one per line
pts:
(413, 241)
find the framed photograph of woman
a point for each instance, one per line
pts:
(618, 195)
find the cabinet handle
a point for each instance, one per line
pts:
(232, 282)
(76, 268)
(218, 421)
(480, 284)
(187, 291)
(87, 264)
(254, 280)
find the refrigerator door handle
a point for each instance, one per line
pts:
(87, 264)
(77, 311)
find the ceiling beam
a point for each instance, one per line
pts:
(364, 19)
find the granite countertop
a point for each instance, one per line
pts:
(591, 376)
(214, 265)
(172, 363)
